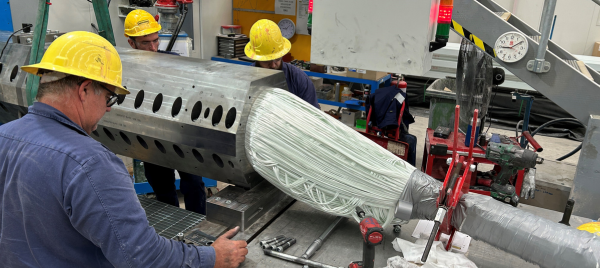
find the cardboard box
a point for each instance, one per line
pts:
(364, 74)
(596, 51)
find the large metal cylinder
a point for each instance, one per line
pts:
(183, 113)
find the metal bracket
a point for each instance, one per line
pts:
(538, 66)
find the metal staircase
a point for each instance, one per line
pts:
(569, 82)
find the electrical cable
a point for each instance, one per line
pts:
(488, 112)
(320, 161)
(551, 122)
(7, 40)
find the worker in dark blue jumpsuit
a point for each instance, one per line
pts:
(267, 46)
(142, 30)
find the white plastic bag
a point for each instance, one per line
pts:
(438, 256)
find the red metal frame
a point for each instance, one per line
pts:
(370, 133)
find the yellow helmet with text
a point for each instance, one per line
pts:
(266, 42)
(82, 54)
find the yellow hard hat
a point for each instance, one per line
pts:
(140, 23)
(592, 227)
(82, 54)
(266, 42)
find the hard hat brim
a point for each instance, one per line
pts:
(249, 51)
(34, 69)
(145, 32)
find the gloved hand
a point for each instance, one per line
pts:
(528, 189)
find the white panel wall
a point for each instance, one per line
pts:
(213, 14)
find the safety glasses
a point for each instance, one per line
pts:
(113, 96)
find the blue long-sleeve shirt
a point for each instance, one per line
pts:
(68, 201)
(298, 83)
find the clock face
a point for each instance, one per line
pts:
(511, 47)
(287, 27)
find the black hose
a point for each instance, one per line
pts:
(551, 122)
(184, 11)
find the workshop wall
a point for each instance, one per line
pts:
(247, 12)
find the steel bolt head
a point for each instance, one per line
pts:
(448, 161)
(217, 198)
(28, 40)
(228, 202)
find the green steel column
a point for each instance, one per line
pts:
(37, 48)
(103, 18)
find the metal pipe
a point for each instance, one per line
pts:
(316, 245)
(476, 155)
(295, 259)
(545, 27)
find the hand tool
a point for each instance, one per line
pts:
(281, 243)
(270, 244)
(511, 158)
(316, 245)
(270, 240)
(372, 234)
(286, 245)
(295, 259)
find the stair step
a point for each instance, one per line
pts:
(503, 15)
(580, 66)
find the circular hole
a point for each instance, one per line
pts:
(120, 99)
(157, 102)
(196, 111)
(194, 86)
(96, 133)
(230, 118)
(217, 115)
(176, 107)
(125, 138)
(142, 142)
(209, 243)
(218, 160)
(3, 107)
(160, 147)
(139, 99)
(178, 151)
(110, 135)
(206, 113)
(230, 164)
(198, 156)
(14, 72)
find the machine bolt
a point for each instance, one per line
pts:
(228, 202)
(28, 40)
(397, 228)
(448, 161)
(217, 198)
(472, 168)
(56, 36)
(179, 237)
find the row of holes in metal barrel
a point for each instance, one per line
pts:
(162, 148)
(176, 108)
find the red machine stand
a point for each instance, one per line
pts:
(435, 165)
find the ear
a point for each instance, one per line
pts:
(131, 43)
(82, 90)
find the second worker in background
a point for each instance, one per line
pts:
(267, 46)
(142, 30)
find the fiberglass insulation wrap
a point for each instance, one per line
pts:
(318, 160)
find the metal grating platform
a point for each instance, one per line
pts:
(168, 220)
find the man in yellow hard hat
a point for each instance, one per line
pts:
(65, 199)
(142, 30)
(267, 46)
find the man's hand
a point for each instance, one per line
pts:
(528, 190)
(230, 253)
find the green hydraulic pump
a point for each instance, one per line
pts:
(511, 158)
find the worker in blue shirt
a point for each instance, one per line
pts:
(142, 30)
(267, 46)
(67, 200)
